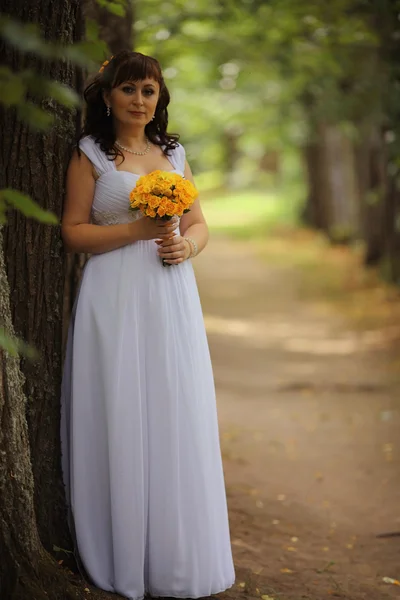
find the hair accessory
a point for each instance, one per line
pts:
(105, 63)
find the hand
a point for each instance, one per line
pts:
(146, 228)
(174, 250)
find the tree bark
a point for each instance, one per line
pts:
(27, 571)
(35, 163)
(333, 203)
(32, 501)
(116, 31)
(391, 263)
(372, 177)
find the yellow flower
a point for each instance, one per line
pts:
(161, 193)
(161, 211)
(153, 201)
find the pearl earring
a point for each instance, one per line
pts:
(108, 111)
(152, 118)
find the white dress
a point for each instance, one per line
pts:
(139, 433)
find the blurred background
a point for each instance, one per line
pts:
(290, 109)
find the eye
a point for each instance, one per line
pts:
(149, 92)
(127, 89)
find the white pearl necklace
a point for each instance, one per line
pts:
(133, 151)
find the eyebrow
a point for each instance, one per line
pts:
(135, 82)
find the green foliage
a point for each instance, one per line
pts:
(264, 73)
(116, 7)
(26, 206)
(16, 347)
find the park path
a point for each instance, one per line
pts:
(309, 411)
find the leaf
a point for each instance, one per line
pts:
(390, 580)
(34, 116)
(284, 570)
(16, 347)
(114, 8)
(12, 87)
(27, 206)
(62, 94)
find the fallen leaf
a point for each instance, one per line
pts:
(286, 570)
(266, 597)
(291, 549)
(390, 580)
(294, 539)
(242, 584)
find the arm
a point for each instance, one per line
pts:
(192, 225)
(79, 235)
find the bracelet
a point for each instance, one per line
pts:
(193, 246)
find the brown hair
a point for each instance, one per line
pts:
(125, 66)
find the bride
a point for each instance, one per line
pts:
(139, 433)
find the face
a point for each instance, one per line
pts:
(134, 102)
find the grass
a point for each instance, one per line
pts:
(250, 214)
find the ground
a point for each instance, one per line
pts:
(307, 374)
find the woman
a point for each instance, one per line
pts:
(140, 448)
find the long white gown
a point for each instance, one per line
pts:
(139, 433)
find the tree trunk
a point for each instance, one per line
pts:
(35, 163)
(333, 204)
(32, 501)
(116, 31)
(371, 167)
(391, 263)
(27, 571)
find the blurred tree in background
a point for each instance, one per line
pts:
(293, 89)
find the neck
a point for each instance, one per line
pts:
(131, 137)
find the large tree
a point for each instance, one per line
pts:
(32, 278)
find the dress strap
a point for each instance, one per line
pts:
(97, 157)
(178, 158)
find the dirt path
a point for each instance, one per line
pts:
(310, 418)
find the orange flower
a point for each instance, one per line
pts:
(163, 194)
(105, 63)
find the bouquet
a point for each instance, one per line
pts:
(162, 195)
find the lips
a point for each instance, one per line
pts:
(136, 112)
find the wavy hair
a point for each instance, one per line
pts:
(125, 66)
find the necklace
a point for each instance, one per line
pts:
(133, 151)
